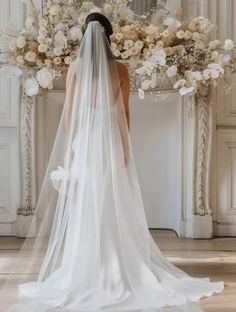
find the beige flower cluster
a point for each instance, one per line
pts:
(178, 49)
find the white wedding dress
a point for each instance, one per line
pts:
(99, 254)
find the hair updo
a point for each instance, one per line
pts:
(103, 20)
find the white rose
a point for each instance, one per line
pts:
(60, 39)
(31, 86)
(44, 78)
(43, 32)
(141, 93)
(180, 83)
(30, 56)
(58, 51)
(43, 48)
(172, 71)
(229, 45)
(107, 8)
(125, 55)
(75, 33)
(172, 23)
(82, 18)
(13, 45)
(55, 10)
(68, 60)
(20, 60)
(20, 41)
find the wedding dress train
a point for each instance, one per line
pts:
(94, 244)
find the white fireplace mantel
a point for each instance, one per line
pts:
(193, 213)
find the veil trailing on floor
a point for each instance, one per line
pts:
(88, 247)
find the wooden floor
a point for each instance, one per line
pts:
(215, 258)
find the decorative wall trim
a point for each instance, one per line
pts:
(26, 138)
(203, 148)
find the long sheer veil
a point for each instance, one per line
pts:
(89, 242)
(86, 147)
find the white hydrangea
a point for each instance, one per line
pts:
(172, 71)
(229, 45)
(31, 86)
(45, 78)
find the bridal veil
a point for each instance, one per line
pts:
(88, 247)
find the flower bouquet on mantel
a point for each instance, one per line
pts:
(154, 46)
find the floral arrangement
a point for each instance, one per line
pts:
(153, 45)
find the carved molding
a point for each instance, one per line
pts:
(26, 131)
(203, 154)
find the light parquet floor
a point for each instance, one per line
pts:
(214, 258)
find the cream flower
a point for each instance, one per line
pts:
(187, 35)
(30, 56)
(159, 44)
(21, 42)
(31, 86)
(116, 53)
(214, 55)
(55, 10)
(229, 45)
(166, 33)
(75, 33)
(43, 48)
(68, 60)
(134, 51)
(45, 78)
(180, 34)
(41, 39)
(57, 60)
(128, 44)
(82, 18)
(139, 44)
(119, 36)
(107, 8)
(60, 40)
(172, 23)
(125, 55)
(196, 36)
(214, 44)
(58, 51)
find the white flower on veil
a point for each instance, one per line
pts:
(58, 175)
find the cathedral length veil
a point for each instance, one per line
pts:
(91, 249)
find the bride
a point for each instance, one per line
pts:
(89, 248)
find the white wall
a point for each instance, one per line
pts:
(10, 12)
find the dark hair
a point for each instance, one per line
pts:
(103, 20)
